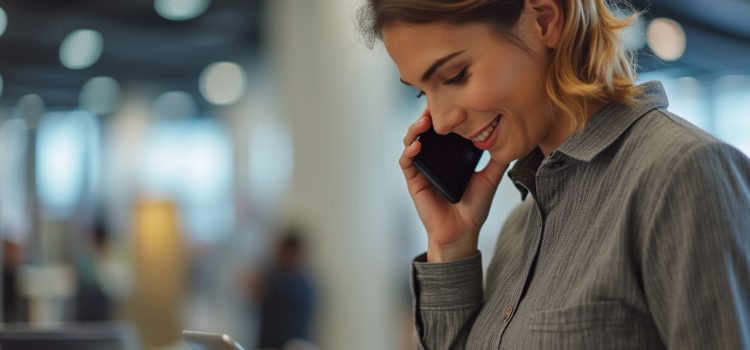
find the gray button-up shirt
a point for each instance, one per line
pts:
(634, 234)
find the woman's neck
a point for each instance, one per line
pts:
(559, 133)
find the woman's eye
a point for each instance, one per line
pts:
(457, 78)
(421, 93)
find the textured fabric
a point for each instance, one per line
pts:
(634, 234)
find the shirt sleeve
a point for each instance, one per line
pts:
(447, 298)
(696, 251)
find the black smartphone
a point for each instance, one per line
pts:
(448, 161)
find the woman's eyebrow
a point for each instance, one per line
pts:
(435, 66)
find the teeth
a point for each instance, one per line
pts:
(487, 132)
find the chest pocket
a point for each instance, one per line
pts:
(597, 325)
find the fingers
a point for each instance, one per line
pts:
(421, 125)
(407, 166)
(413, 147)
(426, 113)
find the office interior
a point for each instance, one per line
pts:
(154, 153)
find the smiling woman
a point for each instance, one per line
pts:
(589, 60)
(626, 205)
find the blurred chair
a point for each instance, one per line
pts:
(94, 336)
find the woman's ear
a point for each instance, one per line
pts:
(548, 19)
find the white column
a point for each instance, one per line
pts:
(336, 95)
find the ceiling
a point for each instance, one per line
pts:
(139, 45)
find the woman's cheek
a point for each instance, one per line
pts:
(482, 96)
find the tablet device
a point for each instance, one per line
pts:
(210, 341)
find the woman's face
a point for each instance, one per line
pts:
(474, 80)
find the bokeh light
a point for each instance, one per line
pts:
(3, 21)
(61, 155)
(180, 10)
(192, 160)
(100, 95)
(30, 108)
(81, 49)
(173, 105)
(223, 83)
(666, 38)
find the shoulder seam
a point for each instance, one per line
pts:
(713, 139)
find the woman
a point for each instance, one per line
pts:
(635, 228)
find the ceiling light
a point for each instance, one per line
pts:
(666, 38)
(180, 10)
(81, 49)
(3, 21)
(223, 83)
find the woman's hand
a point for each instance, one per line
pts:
(452, 229)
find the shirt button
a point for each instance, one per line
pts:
(508, 311)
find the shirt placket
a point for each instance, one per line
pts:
(533, 248)
(532, 251)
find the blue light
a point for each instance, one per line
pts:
(191, 162)
(63, 143)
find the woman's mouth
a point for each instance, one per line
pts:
(485, 138)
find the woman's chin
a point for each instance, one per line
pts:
(506, 155)
(501, 157)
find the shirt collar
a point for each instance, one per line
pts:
(601, 130)
(608, 124)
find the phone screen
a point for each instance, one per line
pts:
(448, 161)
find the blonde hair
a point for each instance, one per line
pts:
(590, 62)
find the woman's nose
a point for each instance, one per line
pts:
(447, 122)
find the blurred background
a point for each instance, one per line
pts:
(231, 165)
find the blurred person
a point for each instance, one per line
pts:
(285, 294)
(14, 306)
(92, 303)
(634, 231)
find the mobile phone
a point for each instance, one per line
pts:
(210, 341)
(448, 162)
